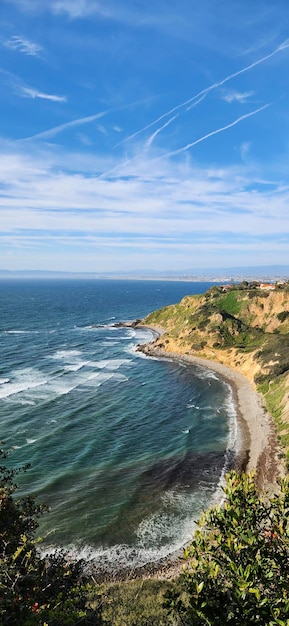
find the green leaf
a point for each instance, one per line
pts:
(255, 591)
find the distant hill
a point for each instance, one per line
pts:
(270, 272)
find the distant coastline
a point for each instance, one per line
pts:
(217, 275)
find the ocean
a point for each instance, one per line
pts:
(126, 450)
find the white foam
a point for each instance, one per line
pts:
(110, 364)
(4, 380)
(141, 355)
(76, 367)
(232, 442)
(117, 557)
(23, 380)
(98, 379)
(21, 332)
(205, 373)
(24, 402)
(144, 336)
(159, 536)
(231, 410)
(65, 354)
(34, 387)
(29, 441)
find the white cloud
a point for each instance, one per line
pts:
(29, 92)
(149, 210)
(23, 45)
(238, 96)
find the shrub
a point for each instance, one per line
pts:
(238, 561)
(35, 590)
(283, 315)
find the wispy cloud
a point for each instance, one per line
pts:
(23, 45)
(238, 96)
(217, 131)
(29, 92)
(199, 96)
(51, 132)
(245, 148)
(80, 8)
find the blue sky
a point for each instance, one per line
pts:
(144, 135)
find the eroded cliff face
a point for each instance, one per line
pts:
(245, 329)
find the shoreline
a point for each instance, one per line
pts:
(258, 446)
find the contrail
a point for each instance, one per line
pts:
(205, 91)
(51, 132)
(153, 136)
(188, 146)
(215, 132)
(160, 118)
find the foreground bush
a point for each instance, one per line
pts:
(238, 561)
(34, 590)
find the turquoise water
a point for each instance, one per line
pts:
(125, 449)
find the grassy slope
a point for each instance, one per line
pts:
(246, 329)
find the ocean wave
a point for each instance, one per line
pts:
(21, 332)
(23, 380)
(76, 367)
(110, 364)
(204, 373)
(34, 387)
(158, 537)
(65, 354)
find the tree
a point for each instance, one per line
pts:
(34, 589)
(238, 561)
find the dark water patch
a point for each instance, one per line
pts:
(187, 471)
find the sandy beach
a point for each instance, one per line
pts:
(258, 447)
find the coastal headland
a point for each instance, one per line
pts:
(240, 332)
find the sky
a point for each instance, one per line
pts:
(141, 135)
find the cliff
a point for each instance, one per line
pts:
(243, 327)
